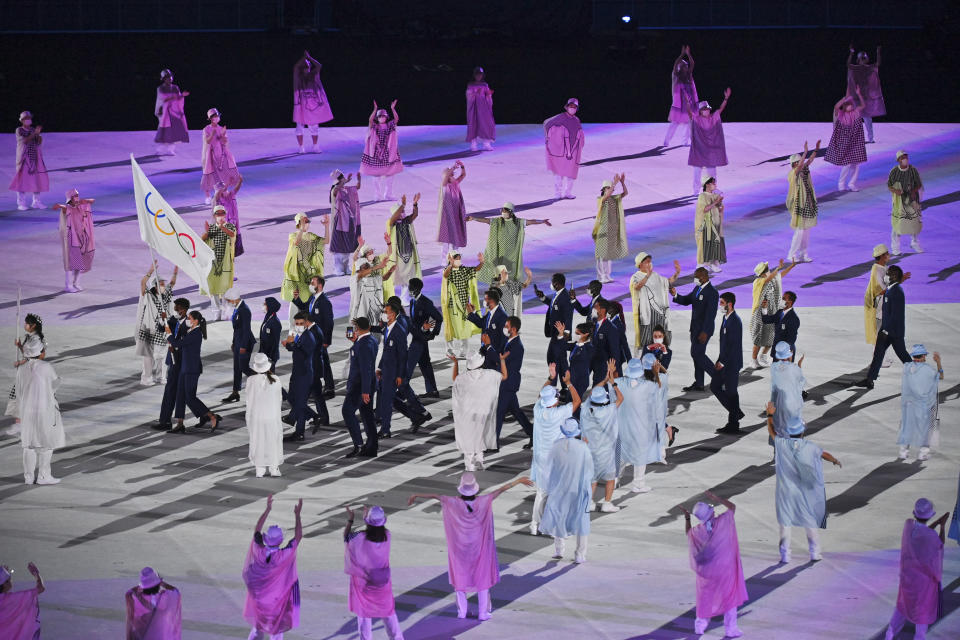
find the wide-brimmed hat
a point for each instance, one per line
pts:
(24, 115)
(166, 72)
(149, 578)
(300, 216)
(634, 369)
(918, 350)
(796, 428)
(879, 250)
(380, 112)
(71, 193)
(647, 361)
(599, 395)
(365, 249)
(606, 184)
(468, 485)
(508, 205)
(396, 206)
(923, 509)
(706, 179)
(274, 536)
(570, 427)
(703, 104)
(260, 363)
(703, 511)
(782, 351)
(901, 153)
(760, 268)
(219, 208)
(643, 255)
(572, 101)
(548, 395)
(795, 158)
(375, 517)
(475, 361)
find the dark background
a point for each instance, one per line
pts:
(85, 65)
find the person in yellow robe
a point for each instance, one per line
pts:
(402, 242)
(458, 288)
(304, 260)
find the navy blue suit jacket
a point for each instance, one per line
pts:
(731, 343)
(704, 300)
(173, 354)
(189, 345)
(559, 310)
(787, 325)
(581, 364)
(363, 356)
(607, 343)
(664, 358)
(318, 338)
(421, 310)
(893, 311)
(270, 330)
(619, 323)
(302, 349)
(495, 329)
(242, 334)
(321, 312)
(393, 360)
(586, 310)
(513, 361)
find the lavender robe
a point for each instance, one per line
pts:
(20, 615)
(273, 590)
(452, 222)
(867, 78)
(564, 143)
(568, 489)
(921, 570)
(715, 557)
(368, 565)
(149, 621)
(707, 146)
(31, 174)
(217, 161)
(310, 105)
(173, 121)
(471, 548)
(345, 206)
(480, 122)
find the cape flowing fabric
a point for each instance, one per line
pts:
(567, 511)
(273, 590)
(168, 108)
(149, 621)
(906, 215)
(546, 431)
(867, 78)
(651, 305)
(41, 426)
(921, 570)
(345, 207)
(715, 558)
(600, 427)
(504, 247)
(707, 145)
(31, 173)
(216, 160)
(304, 260)
(76, 235)
(453, 305)
(263, 419)
(381, 152)
(20, 615)
(918, 401)
(871, 301)
(564, 143)
(229, 201)
(475, 395)
(847, 144)
(471, 547)
(638, 417)
(404, 253)
(368, 565)
(480, 122)
(310, 104)
(786, 394)
(684, 99)
(452, 215)
(801, 199)
(610, 229)
(800, 494)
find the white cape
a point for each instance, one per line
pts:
(263, 421)
(41, 426)
(475, 395)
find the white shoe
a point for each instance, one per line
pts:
(487, 146)
(207, 200)
(700, 627)
(70, 289)
(557, 195)
(76, 286)
(640, 488)
(764, 360)
(28, 478)
(275, 472)
(147, 383)
(608, 507)
(36, 204)
(301, 150)
(733, 633)
(474, 145)
(22, 207)
(462, 614)
(579, 558)
(840, 187)
(484, 616)
(916, 247)
(558, 547)
(261, 471)
(852, 187)
(569, 196)
(533, 529)
(784, 557)
(806, 259)
(755, 364)
(316, 149)
(816, 556)
(924, 454)
(47, 480)
(904, 453)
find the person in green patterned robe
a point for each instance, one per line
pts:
(505, 243)
(221, 237)
(906, 219)
(610, 228)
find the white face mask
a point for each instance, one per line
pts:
(313, 289)
(300, 328)
(886, 280)
(384, 317)
(191, 323)
(556, 287)
(505, 215)
(658, 341)
(506, 332)
(457, 262)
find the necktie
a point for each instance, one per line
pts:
(696, 291)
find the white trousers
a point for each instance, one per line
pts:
(729, 623)
(798, 247)
(868, 125)
(698, 177)
(895, 241)
(559, 544)
(471, 460)
(365, 627)
(384, 187)
(538, 504)
(562, 186)
(604, 269)
(848, 176)
(36, 464)
(673, 128)
(483, 599)
(263, 635)
(314, 129)
(897, 620)
(813, 542)
(639, 471)
(152, 371)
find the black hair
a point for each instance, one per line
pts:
(728, 297)
(560, 279)
(320, 279)
(183, 303)
(602, 303)
(468, 499)
(498, 291)
(271, 376)
(376, 533)
(595, 284)
(151, 591)
(396, 307)
(416, 284)
(362, 323)
(301, 315)
(791, 296)
(615, 307)
(493, 294)
(712, 179)
(585, 327)
(703, 270)
(34, 319)
(666, 336)
(895, 273)
(202, 322)
(514, 322)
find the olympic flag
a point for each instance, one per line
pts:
(166, 232)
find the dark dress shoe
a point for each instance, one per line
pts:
(430, 394)
(740, 415)
(178, 429)
(729, 429)
(367, 453)
(866, 382)
(694, 387)
(353, 453)
(383, 435)
(162, 426)
(419, 420)
(294, 437)
(673, 437)
(805, 394)
(288, 419)
(218, 419)
(487, 452)
(203, 421)
(329, 393)
(529, 445)
(233, 397)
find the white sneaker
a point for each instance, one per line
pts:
(916, 246)
(569, 196)
(700, 626)
(840, 187)
(484, 616)
(579, 558)
(533, 529)
(36, 204)
(462, 614)
(22, 207)
(474, 145)
(853, 187)
(557, 195)
(755, 364)
(924, 454)
(764, 360)
(558, 547)
(904, 453)
(261, 471)
(275, 472)
(301, 150)
(487, 146)
(640, 488)
(47, 480)
(806, 259)
(77, 287)
(733, 633)
(28, 478)
(784, 557)
(70, 288)
(316, 149)
(608, 507)
(816, 556)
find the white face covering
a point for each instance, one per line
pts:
(658, 341)
(300, 328)
(506, 332)
(265, 308)
(457, 262)
(505, 215)
(384, 317)
(313, 289)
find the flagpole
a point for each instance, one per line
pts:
(17, 326)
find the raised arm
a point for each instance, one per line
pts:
(173, 278)
(726, 97)
(266, 512)
(373, 115)
(545, 221)
(729, 505)
(690, 58)
(399, 213)
(456, 366)
(529, 279)
(813, 155)
(424, 496)
(939, 522)
(416, 208)
(238, 185)
(523, 480)
(503, 365)
(393, 109)
(348, 527)
(623, 185)
(298, 524)
(32, 568)
(574, 396)
(485, 221)
(313, 63)
(144, 279)
(850, 56)
(463, 171)
(686, 519)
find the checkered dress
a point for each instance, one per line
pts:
(161, 303)
(460, 277)
(219, 241)
(381, 155)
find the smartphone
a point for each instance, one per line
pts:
(350, 332)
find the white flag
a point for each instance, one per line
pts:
(163, 229)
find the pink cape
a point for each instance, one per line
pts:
(921, 570)
(684, 99)
(381, 166)
(368, 565)
(564, 143)
(471, 549)
(707, 145)
(273, 590)
(31, 175)
(715, 557)
(452, 227)
(217, 161)
(480, 122)
(148, 622)
(20, 615)
(76, 232)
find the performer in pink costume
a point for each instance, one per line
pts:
(20, 610)
(563, 136)
(847, 147)
(684, 91)
(216, 159)
(921, 570)
(153, 609)
(381, 154)
(367, 562)
(172, 128)
(715, 558)
(452, 213)
(310, 105)
(76, 234)
(471, 549)
(31, 174)
(481, 129)
(345, 209)
(708, 149)
(864, 78)
(270, 573)
(226, 195)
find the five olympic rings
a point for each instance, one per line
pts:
(192, 252)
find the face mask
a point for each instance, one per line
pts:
(265, 308)
(191, 323)
(300, 328)
(457, 263)
(723, 308)
(313, 289)
(556, 287)
(506, 332)
(581, 337)
(658, 341)
(505, 215)
(886, 280)
(384, 317)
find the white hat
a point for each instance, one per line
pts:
(260, 363)
(274, 536)
(212, 111)
(923, 509)
(901, 153)
(706, 179)
(475, 361)
(643, 255)
(24, 115)
(570, 427)
(165, 73)
(149, 578)
(219, 208)
(396, 206)
(502, 267)
(508, 205)
(761, 267)
(795, 428)
(599, 395)
(231, 294)
(606, 184)
(365, 249)
(453, 253)
(335, 175)
(703, 511)
(381, 112)
(647, 361)
(5, 573)
(879, 250)
(548, 396)
(573, 101)
(375, 517)
(468, 485)
(70, 193)
(297, 218)
(918, 350)
(795, 158)
(703, 104)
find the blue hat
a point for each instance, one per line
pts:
(796, 428)
(570, 427)
(918, 350)
(634, 368)
(599, 395)
(547, 396)
(782, 351)
(647, 361)
(375, 517)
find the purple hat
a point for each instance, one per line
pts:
(923, 509)
(149, 578)
(375, 517)
(381, 112)
(574, 102)
(273, 537)
(468, 485)
(703, 511)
